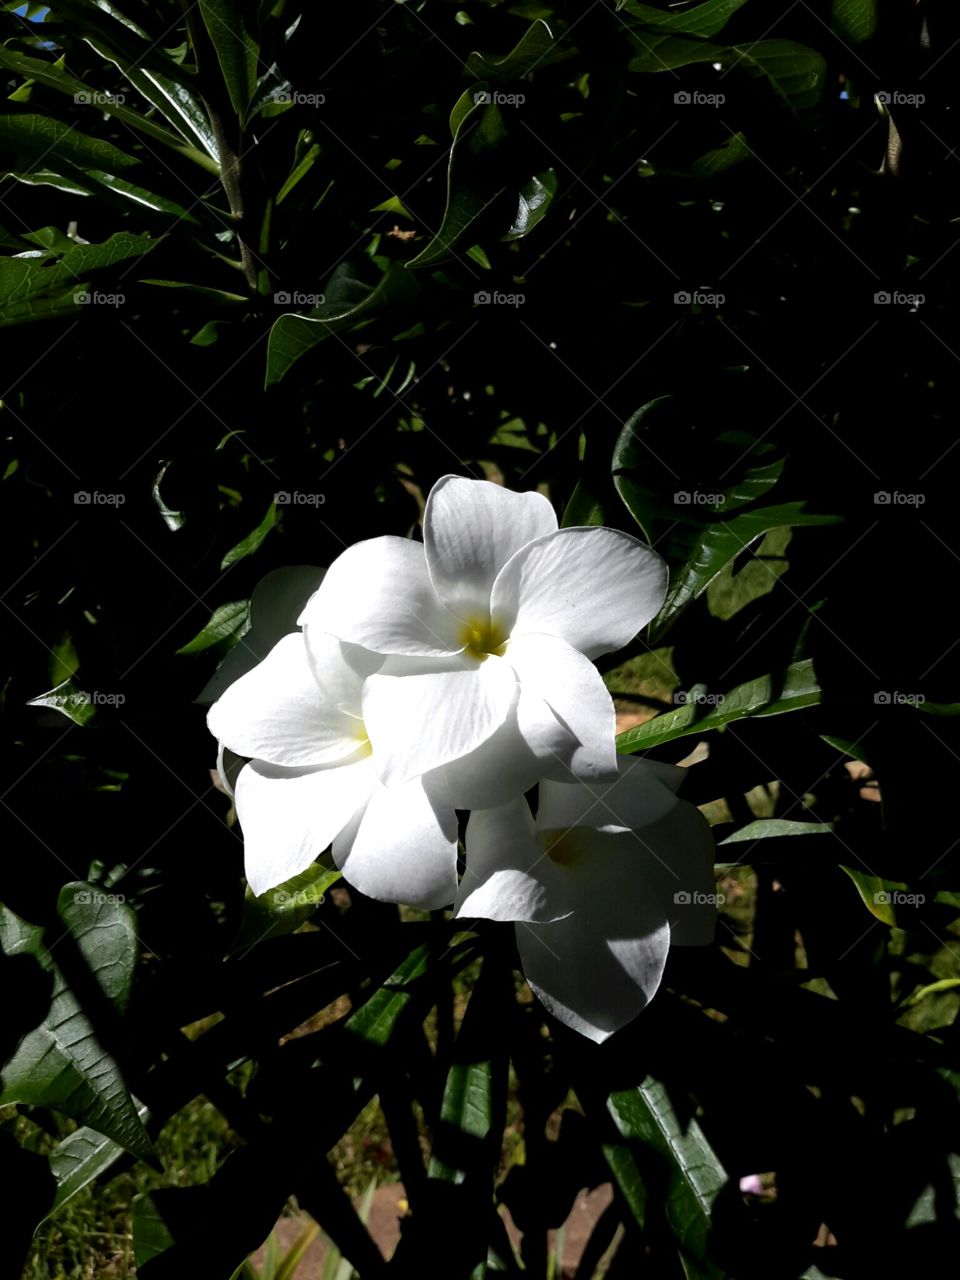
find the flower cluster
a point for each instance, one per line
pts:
(457, 674)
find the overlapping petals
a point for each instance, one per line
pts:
(601, 885)
(458, 673)
(502, 601)
(311, 781)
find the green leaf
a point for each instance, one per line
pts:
(376, 1020)
(717, 546)
(237, 51)
(161, 80)
(283, 909)
(61, 1064)
(105, 930)
(793, 73)
(467, 1106)
(765, 696)
(701, 20)
(151, 1235)
(56, 77)
(37, 137)
(877, 894)
(81, 1158)
(721, 158)
(292, 335)
(855, 20)
(682, 1156)
(253, 541)
(583, 508)
(699, 546)
(299, 171)
(288, 1266)
(228, 620)
(30, 286)
(535, 200)
(275, 605)
(475, 179)
(71, 701)
(765, 828)
(535, 47)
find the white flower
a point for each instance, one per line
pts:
(600, 886)
(488, 628)
(311, 780)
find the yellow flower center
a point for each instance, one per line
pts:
(363, 741)
(562, 847)
(481, 637)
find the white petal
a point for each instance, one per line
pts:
(404, 848)
(595, 588)
(508, 876)
(471, 528)
(278, 713)
(637, 798)
(526, 746)
(378, 594)
(339, 670)
(598, 968)
(289, 816)
(418, 722)
(573, 688)
(229, 765)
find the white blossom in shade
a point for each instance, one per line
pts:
(600, 885)
(488, 630)
(310, 781)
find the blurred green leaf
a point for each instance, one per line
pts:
(766, 696)
(293, 335)
(535, 47)
(283, 909)
(700, 19)
(855, 20)
(71, 701)
(150, 1233)
(253, 541)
